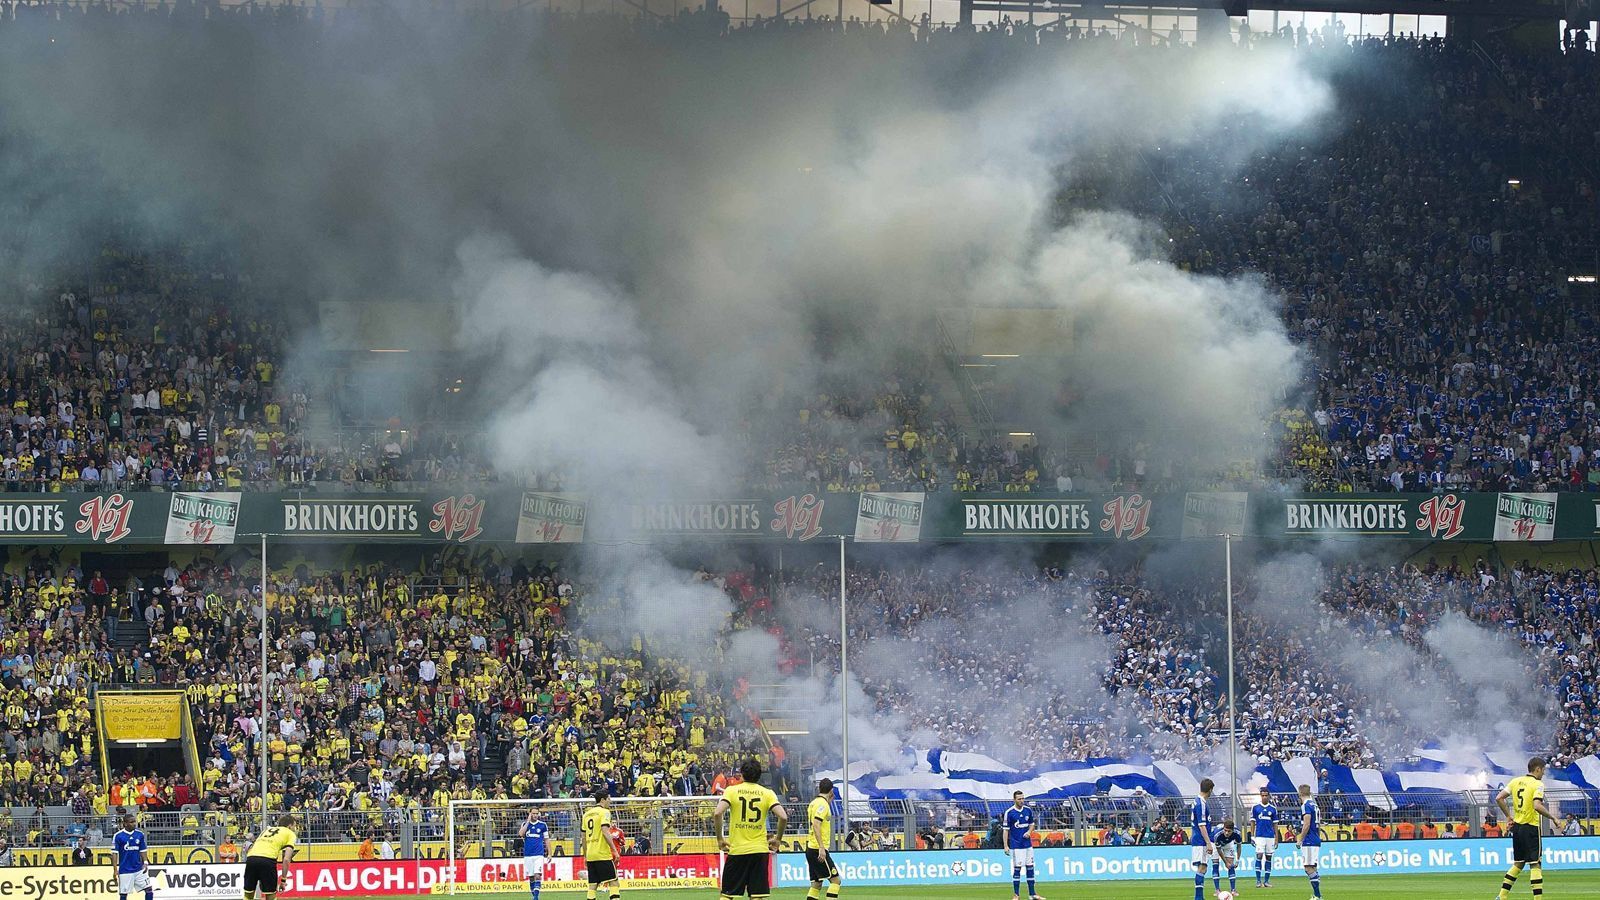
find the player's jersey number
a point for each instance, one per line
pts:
(750, 809)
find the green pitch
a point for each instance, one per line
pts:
(1558, 885)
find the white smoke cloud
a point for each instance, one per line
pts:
(1456, 693)
(679, 231)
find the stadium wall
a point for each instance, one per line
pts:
(493, 514)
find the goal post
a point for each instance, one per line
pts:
(668, 842)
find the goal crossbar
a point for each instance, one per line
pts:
(483, 842)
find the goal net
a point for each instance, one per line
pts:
(667, 842)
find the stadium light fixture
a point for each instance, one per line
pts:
(1514, 182)
(1021, 433)
(388, 350)
(979, 366)
(1582, 279)
(1002, 355)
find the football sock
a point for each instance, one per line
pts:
(833, 892)
(1031, 891)
(1512, 874)
(814, 894)
(534, 884)
(1016, 879)
(1233, 881)
(591, 892)
(1259, 861)
(1268, 878)
(1316, 884)
(1216, 876)
(1200, 883)
(615, 893)
(1536, 879)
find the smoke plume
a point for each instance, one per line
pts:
(643, 239)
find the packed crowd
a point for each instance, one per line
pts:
(1117, 672)
(395, 689)
(1131, 664)
(388, 690)
(165, 369)
(1423, 256)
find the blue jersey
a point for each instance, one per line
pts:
(533, 842)
(130, 847)
(1265, 815)
(1199, 822)
(1018, 822)
(1226, 841)
(1313, 836)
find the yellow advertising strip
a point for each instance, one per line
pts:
(142, 715)
(83, 883)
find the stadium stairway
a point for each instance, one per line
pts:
(132, 635)
(492, 764)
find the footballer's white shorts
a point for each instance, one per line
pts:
(133, 882)
(1199, 854)
(1021, 856)
(1310, 856)
(532, 866)
(1265, 846)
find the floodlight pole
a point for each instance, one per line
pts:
(262, 731)
(844, 692)
(1233, 724)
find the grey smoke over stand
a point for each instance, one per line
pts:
(1454, 691)
(675, 232)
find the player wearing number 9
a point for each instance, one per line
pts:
(748, 867)
(599, 851)
(274, 848)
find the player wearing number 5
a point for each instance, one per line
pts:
(819, 861)
(1018, 822)
(1526, 793)
(748, 866)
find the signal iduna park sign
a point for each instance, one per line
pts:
(493, 514)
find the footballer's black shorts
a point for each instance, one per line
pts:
(601, 870)
(747, 873)
(821, 870)
(1525, 843)
(260, 873)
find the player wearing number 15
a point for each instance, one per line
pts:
(1526, 793)
(748, 866)
(599, 855)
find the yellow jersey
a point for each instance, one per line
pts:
(749, 804)
(820, 813)
(1525, 790)
(272, 842)
(595, 843)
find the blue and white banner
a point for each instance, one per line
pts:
(948, 775)
(956, 867)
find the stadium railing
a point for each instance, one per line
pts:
(190, 834)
